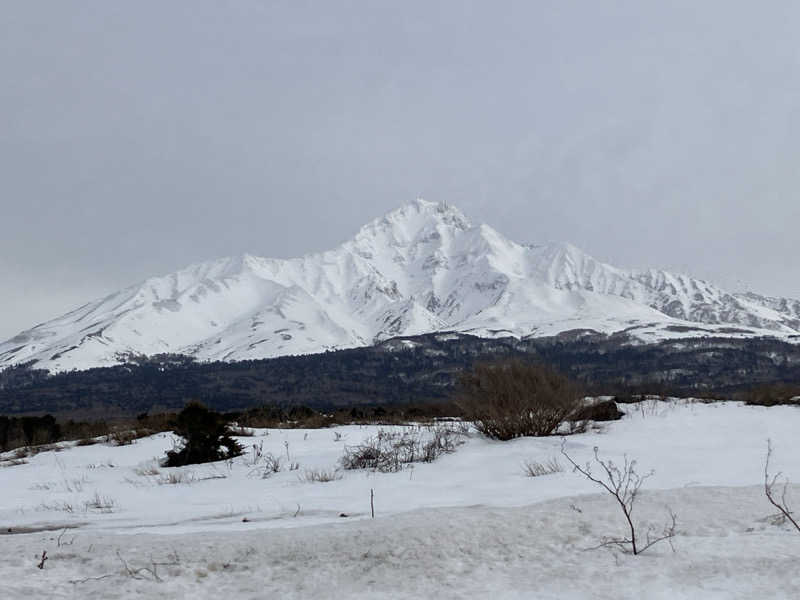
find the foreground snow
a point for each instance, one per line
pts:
(469, 525)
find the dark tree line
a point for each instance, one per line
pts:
(28, 431)
(392, 373)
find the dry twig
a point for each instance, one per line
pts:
(769, 490)
(624, 484)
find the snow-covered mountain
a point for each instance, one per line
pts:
(419, 269)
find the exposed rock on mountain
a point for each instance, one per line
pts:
(421, 268)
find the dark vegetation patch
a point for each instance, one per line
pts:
(513, 398)
(774, 394)
(205, 437)
(391, 374)
(601, 411)
(685, 329)
(40, 432)
(43, 432)
(733, 330)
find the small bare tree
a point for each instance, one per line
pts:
(624, 484)
(770, 483)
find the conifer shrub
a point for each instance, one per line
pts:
(205, 435)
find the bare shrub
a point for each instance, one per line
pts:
(103, 504)
(770, 483)
(574, 427)
(74, 485)
(176, 477)
(456, 427)
(445, 439)
(58, 506)
(147, 471)
(321, 475)
(378, 452)
(124, 437)
(624, 484)
(241, 431)
(42, 486)
(533, 468)
(506, 400)
(272, 465)
(106, 464)
(390, 451)
(265, 463)
(66, 485)
(650, 406)
(256, 454)
(61, 542)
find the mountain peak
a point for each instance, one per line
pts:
(422, 267)
(412, 222)
(442, 210)
(419, 213)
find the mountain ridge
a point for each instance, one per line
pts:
(421, 268)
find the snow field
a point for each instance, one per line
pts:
(470, 524)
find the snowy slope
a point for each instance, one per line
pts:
(421, 268)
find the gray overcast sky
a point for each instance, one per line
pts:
(139, 137)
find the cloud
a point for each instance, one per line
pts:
(138, 138)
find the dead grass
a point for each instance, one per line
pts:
(176, 477)
(321, 475)
(533, 468)
(103, 504)
(147, 471)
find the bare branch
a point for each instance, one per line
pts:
(106, 576)
(59, 541)
(140, 572)
(769, 490)
(624, 485)
(668, 533)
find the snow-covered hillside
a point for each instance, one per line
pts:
(421, 268)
